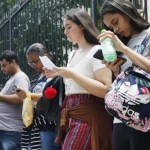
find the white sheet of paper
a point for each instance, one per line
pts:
(47, 63)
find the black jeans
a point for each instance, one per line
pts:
(126, 138)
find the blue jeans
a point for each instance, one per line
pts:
(10, 140)
(47, 141)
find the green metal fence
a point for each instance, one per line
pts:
(41, 21)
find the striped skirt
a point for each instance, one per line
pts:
(78, 136)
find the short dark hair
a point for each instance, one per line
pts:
(9, 56)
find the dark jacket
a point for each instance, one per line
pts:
(51, 108)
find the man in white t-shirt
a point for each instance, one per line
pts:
(10, 104)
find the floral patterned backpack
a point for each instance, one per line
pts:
(128, 98)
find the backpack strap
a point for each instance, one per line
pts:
(35, 82)
(60, 91)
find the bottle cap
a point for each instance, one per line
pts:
(102, 31)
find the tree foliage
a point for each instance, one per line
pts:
(5, 6)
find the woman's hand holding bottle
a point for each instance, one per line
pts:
(119, 46)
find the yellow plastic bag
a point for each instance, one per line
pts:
(27, 110)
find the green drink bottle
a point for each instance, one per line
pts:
(108, 50)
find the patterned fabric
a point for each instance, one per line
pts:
(31, 134)
(128, 98)
(91, 109)
(141, 48)
(79, 134)
(35, 139)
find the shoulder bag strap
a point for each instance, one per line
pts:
(60, 91)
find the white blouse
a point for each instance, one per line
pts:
(86, 66)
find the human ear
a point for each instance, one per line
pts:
(81, 27)
(13, 62)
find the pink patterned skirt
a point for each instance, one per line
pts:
(79, 135)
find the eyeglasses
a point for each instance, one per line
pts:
(31, 64)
